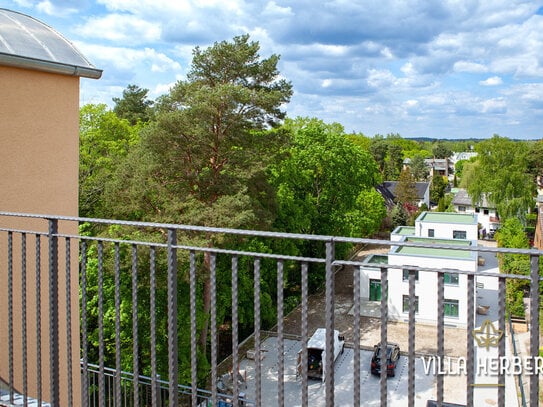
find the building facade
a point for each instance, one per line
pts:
(39, 131)
(487, 215)
(435, 228)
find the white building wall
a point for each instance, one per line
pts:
(445, 230)
(426, 288)
(482, 218)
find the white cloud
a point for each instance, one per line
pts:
(492, 81)
(467, 66)
(120, 28)
(369, 68)
(326, 83)
(51, 9)
(496, 105)
(127, 58)
(272, 9)
(380, 78)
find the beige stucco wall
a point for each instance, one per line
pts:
(39, 155)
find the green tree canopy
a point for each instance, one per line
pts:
(202, 160)
(134, 105)
(104, 140)
(325, 185)
(511, 235)
(419, 169)
(500, 173)
(535, 158)
(208, 145)
(437, 188)
(440, 150)
(406, 189)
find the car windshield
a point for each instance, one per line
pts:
(378, 351)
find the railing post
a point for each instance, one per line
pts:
(256, 310)
(281, 343)
(193, 326)
(501, 345)
(534, 326)
(135, 345)
(303, 360)
(84, 338)
(384, 335)
(470, 348)
(440, 333)
(213, 325)
(356, 336)
(329, 363)
(172, 319)
(413, 305)
(158, 391)
(235, 336)
(10, 317)
(155, 390)
(53, 313)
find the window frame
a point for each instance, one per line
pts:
(405, 304)
(461, 232)
(454, 303)
(451, 276)
(405, 275)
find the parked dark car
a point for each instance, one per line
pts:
(393, 355)
(432, 403)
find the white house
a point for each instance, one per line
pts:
(487, 214)
(441, 228)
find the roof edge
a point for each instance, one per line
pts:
(17, 61)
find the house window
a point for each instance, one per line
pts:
(461, 209)
(405, 304)
(485, 211)
(477, 210)
(406, 275)
(459, 234)
(451, 308)
(451, 279)
(375, 290)
(430, 232)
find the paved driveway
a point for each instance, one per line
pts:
(343, 390)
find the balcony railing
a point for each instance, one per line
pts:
(78, 310)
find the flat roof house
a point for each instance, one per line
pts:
(444, 230)
(39, 132)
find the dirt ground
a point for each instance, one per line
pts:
(370, 328)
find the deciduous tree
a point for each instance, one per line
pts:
(500, 173)
(104, 140)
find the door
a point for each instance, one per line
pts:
(375, 290)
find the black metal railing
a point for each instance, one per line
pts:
(96, 289)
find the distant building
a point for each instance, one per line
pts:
(388, 188)
(440, 166)
(487, 215)
(462, 156)
(440, 228)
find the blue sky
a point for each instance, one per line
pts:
(420, 68)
